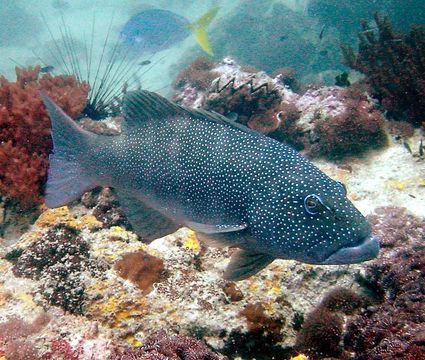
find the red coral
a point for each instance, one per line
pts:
(61, 349)
(394, 328)
(355, 130)
(394, 66)
(25, 129)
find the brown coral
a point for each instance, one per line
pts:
(233, 292)
(259, 322)
(198, 74)
(321, 334)
(25, 129)
(142, 269)
(394, 66)
(357, 129)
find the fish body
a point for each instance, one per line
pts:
(231, 185)
(153, 30)
(46, 69)
(144, 62)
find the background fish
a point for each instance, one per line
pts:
(153, 30)
(180, 166)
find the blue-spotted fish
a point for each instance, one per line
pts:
(178, 166)
(153, 30)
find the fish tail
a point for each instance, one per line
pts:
(199, 28)
(66, 179)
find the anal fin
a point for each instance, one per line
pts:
(148, 223)
(244, 264)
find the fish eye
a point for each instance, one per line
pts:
(343, 187)
(313, 204)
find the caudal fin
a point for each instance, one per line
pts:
(199, 29)
(66, 179)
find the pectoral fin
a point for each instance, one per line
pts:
(148, 223)
(215, 228)
(241, 238)
(244, 264)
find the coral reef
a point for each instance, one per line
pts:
(109, 294)
(259, 317)
(322, 331)
(333, 122)
(394, 326)
(25, 129)
(105, 207)
(321, 334)
(59, 258)
(14, 335)
(174, 347)
(393, 65)
(358, 128)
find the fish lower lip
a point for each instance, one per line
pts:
(367, 250)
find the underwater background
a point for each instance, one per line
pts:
(342, 82)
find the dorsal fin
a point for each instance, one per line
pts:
(142, 105)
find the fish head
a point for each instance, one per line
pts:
(326, 228)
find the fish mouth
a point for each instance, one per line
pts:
(367, 250)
